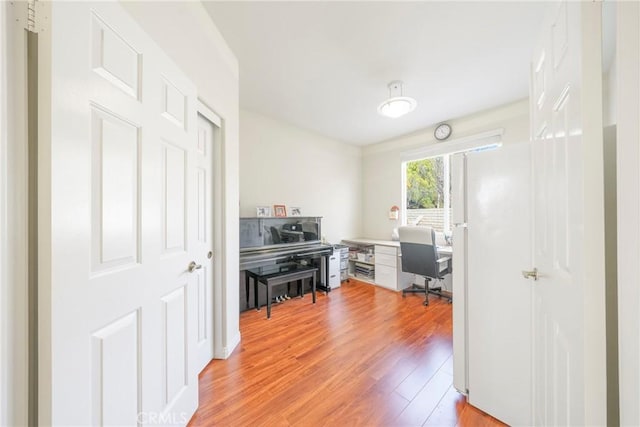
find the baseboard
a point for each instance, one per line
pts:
(228, 349)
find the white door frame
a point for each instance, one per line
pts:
(13, 217)
(4, 245)
(219, 307)
(595, 362)
(628, 182)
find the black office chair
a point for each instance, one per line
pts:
(420, 256)
(275, 236)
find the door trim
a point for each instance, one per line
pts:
(5, 246)
(220, 341)
(593, 246)
(628, 178)
(14, 351)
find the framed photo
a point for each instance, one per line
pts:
(263, 211)
(280, 210)
(295, 211)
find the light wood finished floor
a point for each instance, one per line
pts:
(362, 356)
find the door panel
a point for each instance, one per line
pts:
(116, 385)
(115, 179)
(498, 297)
(174, 198)
(114, 59)
(117, 316)
(175, 344)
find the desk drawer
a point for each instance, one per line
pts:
(386, 276)
(384, 259)
(388, 250)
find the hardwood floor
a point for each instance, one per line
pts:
(362, 356)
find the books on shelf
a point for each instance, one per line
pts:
(365, 271)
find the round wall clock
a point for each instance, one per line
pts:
(442, 132)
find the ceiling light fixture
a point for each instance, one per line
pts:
(397, 105)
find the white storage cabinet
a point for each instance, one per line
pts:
(386, 262)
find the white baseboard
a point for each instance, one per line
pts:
(228, 349)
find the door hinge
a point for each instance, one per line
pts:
(31, 15)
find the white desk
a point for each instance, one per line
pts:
(387, 262)
(442, 250)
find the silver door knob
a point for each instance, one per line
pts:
(533, 274)
(193, 266)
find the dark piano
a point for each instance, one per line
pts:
(269, 240)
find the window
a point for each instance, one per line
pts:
(428, 193)
(426, 174)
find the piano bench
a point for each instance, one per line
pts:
(279, 274)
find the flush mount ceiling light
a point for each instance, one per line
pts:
(397, 105)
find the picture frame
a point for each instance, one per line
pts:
(295, 211)
(280, 210)
(263, 211)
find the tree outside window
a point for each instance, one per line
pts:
(425, 183)
(427, 193)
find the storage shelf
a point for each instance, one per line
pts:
(362, 262)
(362, 279)
(384, 263)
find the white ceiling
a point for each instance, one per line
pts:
(325, 66)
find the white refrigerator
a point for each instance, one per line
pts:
(459, 269)
(492, 302)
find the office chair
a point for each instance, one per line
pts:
(275, 236)
(420, 256)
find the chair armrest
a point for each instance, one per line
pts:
(443, 264)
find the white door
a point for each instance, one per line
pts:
(117, 302)
(568, 305)
(498, 297)
(203, 247)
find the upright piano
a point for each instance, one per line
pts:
(273, 240)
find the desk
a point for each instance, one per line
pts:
(442, 250)
(388, 263)
(446, 252)
(273, 275)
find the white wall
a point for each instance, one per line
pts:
(381, 164)
(186, 33)
(283, 164)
